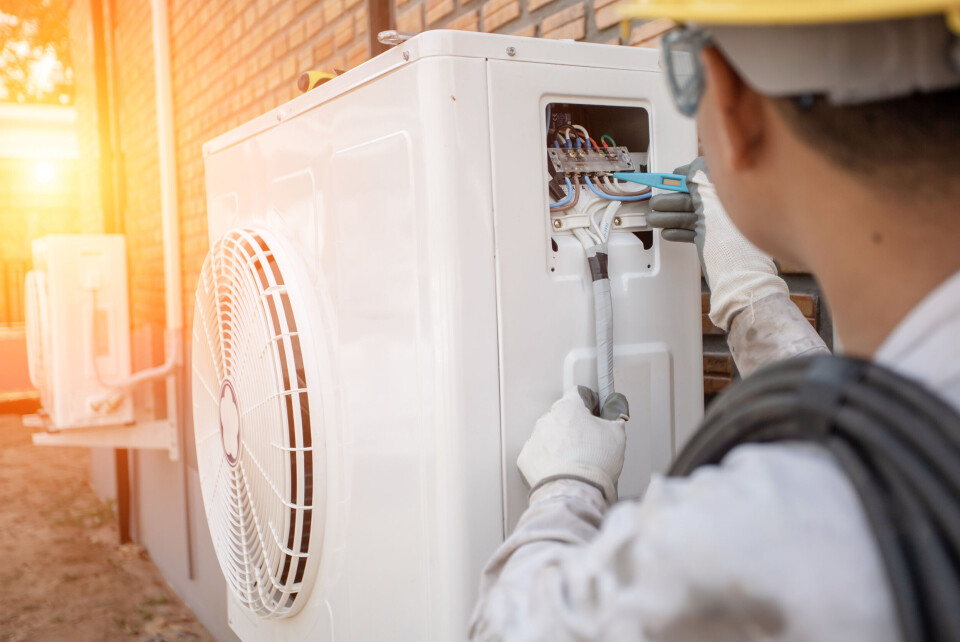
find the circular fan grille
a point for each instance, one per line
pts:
(252, 413)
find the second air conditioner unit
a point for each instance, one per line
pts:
(78, 329)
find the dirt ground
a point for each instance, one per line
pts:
(62, 574)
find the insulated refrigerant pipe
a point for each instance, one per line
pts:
(170, 218)
(166, 151)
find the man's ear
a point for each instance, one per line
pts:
(739, 109)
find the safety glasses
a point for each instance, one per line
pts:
(681, 59)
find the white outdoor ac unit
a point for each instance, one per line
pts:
(387, 307)
(78, 330)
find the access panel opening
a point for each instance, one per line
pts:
(585, 146)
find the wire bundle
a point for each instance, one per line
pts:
(603, 185)
(601, 212)
(900, 447)
(594, 240)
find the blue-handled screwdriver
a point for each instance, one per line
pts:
(672, 182)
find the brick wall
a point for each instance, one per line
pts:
(592, 20)
(139, 202)
(81, 54)
(235, 59)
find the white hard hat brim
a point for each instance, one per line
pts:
(849, 63)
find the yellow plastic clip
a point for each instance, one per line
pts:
(311, 79)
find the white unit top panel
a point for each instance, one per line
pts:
(459, 44)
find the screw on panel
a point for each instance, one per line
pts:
(557, 223)
(406, 55)
(617, 221)
(511, 51)
(279, 117)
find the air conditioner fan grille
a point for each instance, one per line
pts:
(253, 424)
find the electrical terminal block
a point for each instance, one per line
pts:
(589, 161)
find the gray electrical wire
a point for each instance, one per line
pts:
(597, 260)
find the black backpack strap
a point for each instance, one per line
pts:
(898, 443)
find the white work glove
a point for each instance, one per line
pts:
(572, 442)
(737, 272)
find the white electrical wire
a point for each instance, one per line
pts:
(608, 215)
(582, 130)
(612, 185)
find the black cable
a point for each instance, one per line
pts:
(936, 579)
(911, 468)
(897, 443)
(931, 407)
(917, 433)
(886, 535)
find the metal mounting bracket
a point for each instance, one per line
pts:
(159, 434)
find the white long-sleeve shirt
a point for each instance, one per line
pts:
(770, 545)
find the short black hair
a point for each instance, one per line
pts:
(910, 143)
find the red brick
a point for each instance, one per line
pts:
(286, 15)
(649, 33)
(718, 363)
(412, 20)
(533, 5)
(343, 34)
(497, 13)
(559, 20)
(467, 22)
(792, 268)
(527, 32)
(297, 35)
(249, 18)
(605, 13)
(438, 9)
(807, 304)
(358, 55)
(314, 22)
(332, 9)
(708, 328)
(323, 49)
(713, 384)
(290, 71)
(360, 20)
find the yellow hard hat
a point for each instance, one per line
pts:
(789, 12)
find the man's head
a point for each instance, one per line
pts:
(761, 148)
(852, 100)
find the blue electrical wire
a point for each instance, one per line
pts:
(569, 196)
(610, 197)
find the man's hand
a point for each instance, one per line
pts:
(737, 272)
(572, 442)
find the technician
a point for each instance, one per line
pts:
(832, 131)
